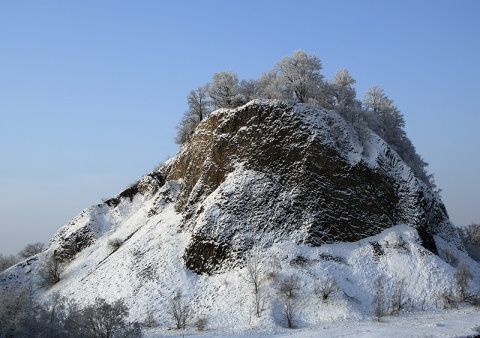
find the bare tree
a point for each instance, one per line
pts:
(290, 286)
(198, 103)
(398, 296)
(289, 289)
(13, 308)
(186, 127)
(179, 308)
(255, 277)
(50, 269)
(379, 298)
(107, 320)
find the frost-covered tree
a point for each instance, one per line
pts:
(224, 90)
(7, 261)
(471, 239)
(383, 116)
(385, 119)
(343, 95)
(249, 90)
(271, 87)
(300, 74)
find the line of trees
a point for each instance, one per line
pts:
(30, 250)
(21, 316)
(298, 78)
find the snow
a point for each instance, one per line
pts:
(451, 323)
(148, 268)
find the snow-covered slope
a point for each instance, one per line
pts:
(286, 183)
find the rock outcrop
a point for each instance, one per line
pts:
(272, 170)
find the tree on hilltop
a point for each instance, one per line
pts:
(300, 74)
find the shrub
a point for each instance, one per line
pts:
(201, 323)
(114, 243)
(325, 288)
(180, 310)
(450, 258)
(462, 275)
(150, 321)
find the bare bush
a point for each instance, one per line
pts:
(114, 243)
(450, 258)
(462, 275)
(256, 279)
(150, 321)
(448, 299)
(50, 270)
(179, 308)
(325, 288)
(201, 323)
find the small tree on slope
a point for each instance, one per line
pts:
(462, 275)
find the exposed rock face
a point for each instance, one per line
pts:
(271, 170)
(266, 172)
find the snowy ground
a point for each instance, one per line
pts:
(463, 322)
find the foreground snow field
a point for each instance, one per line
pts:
(463, 322)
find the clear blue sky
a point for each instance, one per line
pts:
(91, 91)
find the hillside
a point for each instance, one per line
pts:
(288, 184)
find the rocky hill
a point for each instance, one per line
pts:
(272, 170)
(286, 182)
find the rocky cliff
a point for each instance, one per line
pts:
(272, 170)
